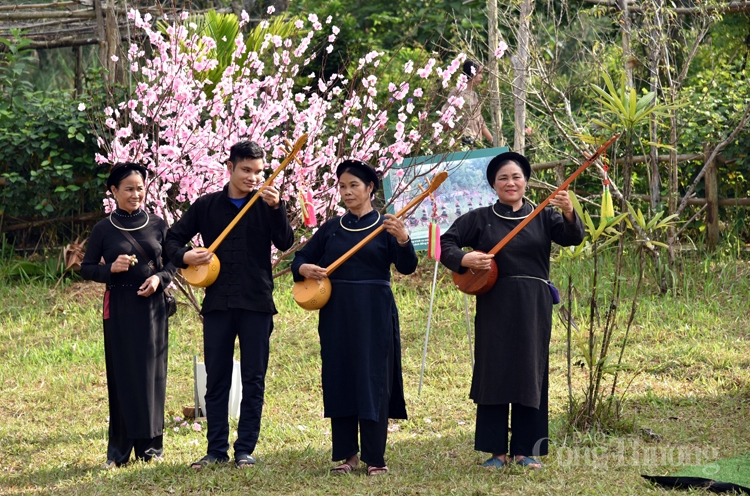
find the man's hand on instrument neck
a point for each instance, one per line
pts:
(270, 195)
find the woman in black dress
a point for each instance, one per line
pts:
(360, 343)
(135, 316)
(513, 319)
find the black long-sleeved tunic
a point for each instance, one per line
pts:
(245, 280)
(513, 320)
(359, 324)
(135, 327)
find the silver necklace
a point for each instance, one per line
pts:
(124, 229)
(510, 218)
(341, 221)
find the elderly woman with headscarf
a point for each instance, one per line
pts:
(130, 242)
(360, 344)
(513, 320)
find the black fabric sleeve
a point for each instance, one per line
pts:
(462, 233)
(312, 252)
(181, 233)
(403, 257)
(564, 232)
(167, 267)
(90, 268)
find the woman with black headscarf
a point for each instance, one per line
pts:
(513, 320)
(136, 271)
(360, 343)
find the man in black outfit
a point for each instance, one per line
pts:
(240, 301)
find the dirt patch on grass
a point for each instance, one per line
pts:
(82, 291)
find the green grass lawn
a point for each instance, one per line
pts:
(690, 386)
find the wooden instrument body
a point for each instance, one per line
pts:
(476, 282)
(311, 294)
(204, 275)
(479, 282)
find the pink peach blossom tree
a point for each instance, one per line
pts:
(181, 124)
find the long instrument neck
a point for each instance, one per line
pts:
(544, 204)
(346, 256)
(234, 222)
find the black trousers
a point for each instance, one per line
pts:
(530, 427)
(220, 329)
(119, 445)
(372, 433)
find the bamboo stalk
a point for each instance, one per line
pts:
(29, 16)
(37, 223)
(38, 5)
(637, 159)
(7, 28)
(729, 7)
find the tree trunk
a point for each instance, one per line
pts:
(628, 59)
(279, 6)
(113, 45)
(101, 33)
(492, 79)
(712, 203)
(520, 64)
(78, 51)
(655, 47)
(673, 181)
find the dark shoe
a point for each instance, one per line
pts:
(244, 461)
(494, 462)
(206, 461)
(344, 468)
(527, 461)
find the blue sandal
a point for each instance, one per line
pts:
(527, 461)
(494, 462)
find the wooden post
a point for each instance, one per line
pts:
(101, 33)
(520, 61)
(710, 180)
(113, 44)
(78, 51)
(492, 78)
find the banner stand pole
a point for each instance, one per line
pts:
(429, 322)
(468, 330)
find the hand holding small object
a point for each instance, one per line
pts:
(123, 263)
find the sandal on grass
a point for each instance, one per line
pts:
(244, 460)
(344, 468)
(377, 470)
(527, 461)
(206, 461)
(494, 462)
(109, 465)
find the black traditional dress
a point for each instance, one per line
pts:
(513, 320)
(359, 324)
(135, 331)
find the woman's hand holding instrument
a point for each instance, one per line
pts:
(314, 293)
(204, 274)
(476, 280)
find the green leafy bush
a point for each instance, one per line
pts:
(47, 145)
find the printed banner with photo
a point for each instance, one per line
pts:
(465, 189)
